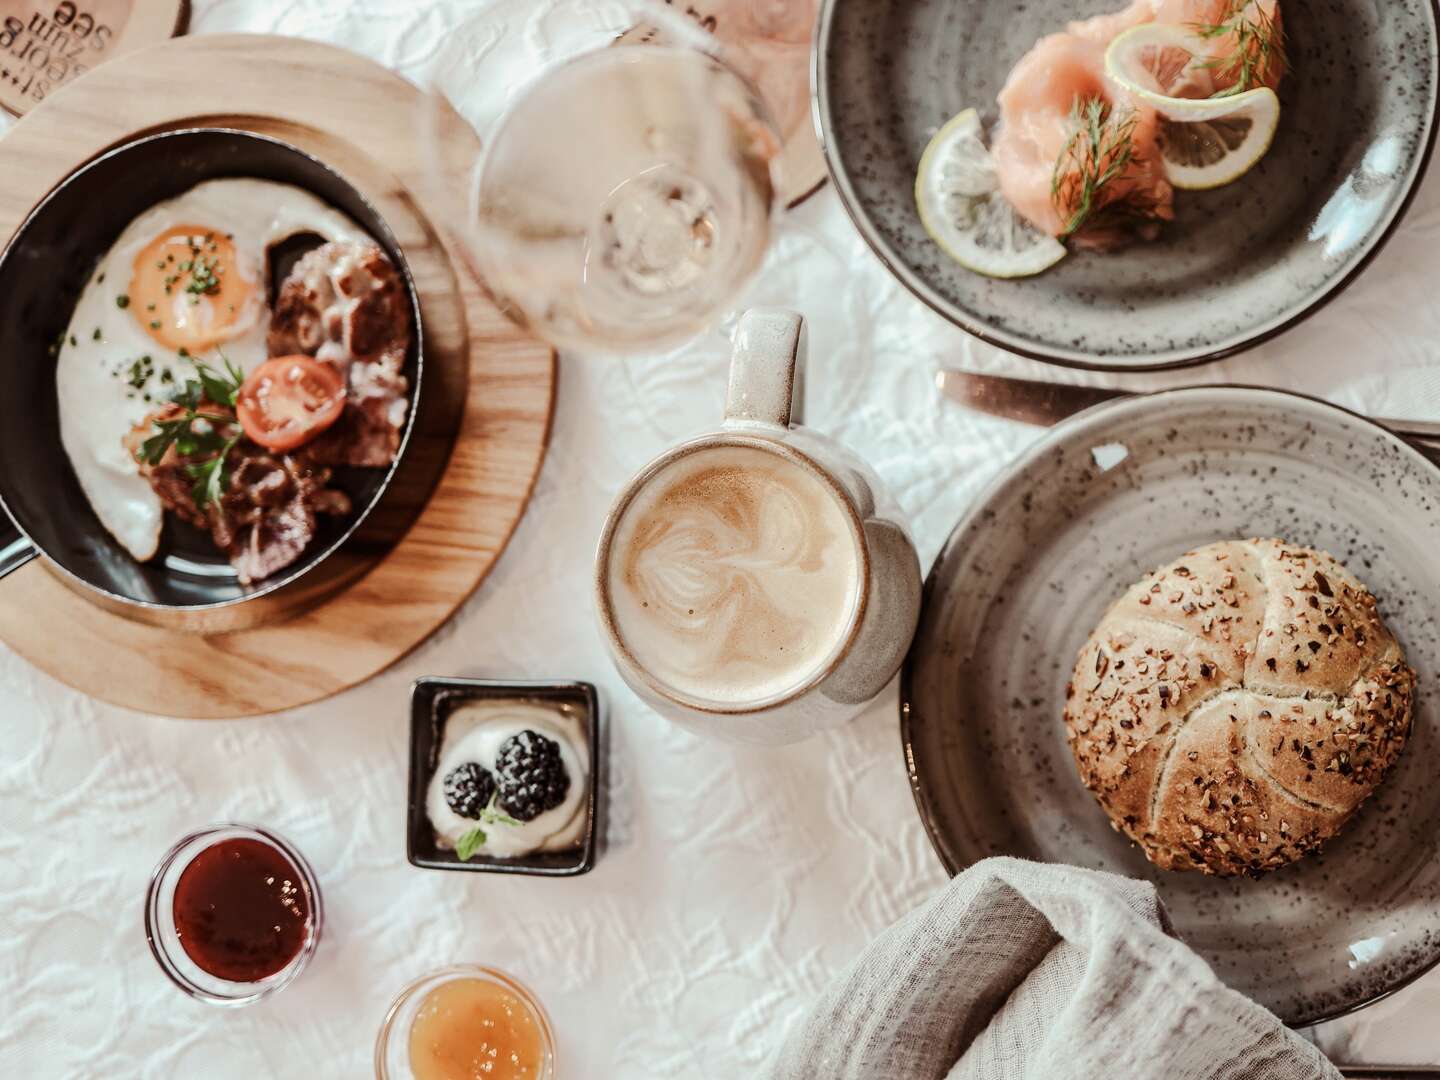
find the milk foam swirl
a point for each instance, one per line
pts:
(733, 574)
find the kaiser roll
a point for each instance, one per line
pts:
(1235, 708)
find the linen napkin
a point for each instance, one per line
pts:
(1023, 970)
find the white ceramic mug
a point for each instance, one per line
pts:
(881, 604)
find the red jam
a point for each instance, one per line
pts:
(241, 910)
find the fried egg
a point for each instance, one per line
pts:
(185, 281)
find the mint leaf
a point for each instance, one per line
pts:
(469, 844)
(492, 816)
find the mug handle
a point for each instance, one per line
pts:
(15, 548)
(767, 369)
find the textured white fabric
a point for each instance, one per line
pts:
(739, 880)
(1020, 971)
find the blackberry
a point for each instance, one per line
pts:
(468, 789)
(530, 775)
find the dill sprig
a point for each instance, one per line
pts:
(1258, 41)
(1098, 152)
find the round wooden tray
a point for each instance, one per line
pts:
(363, 121)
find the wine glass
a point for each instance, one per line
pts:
(626, 179)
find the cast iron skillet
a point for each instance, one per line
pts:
(189, 584)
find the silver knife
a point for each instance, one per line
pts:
(1043, 403)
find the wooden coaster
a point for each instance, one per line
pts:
(773, 51)
(364, 121)
(776, 60)
(46, 43)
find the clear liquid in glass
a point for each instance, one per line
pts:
(626, 197)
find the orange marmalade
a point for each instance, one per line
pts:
(472, 1029)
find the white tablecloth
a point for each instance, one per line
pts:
(737, 881)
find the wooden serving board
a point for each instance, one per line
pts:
(363, 121)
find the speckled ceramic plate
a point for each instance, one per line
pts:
(1026, 575)
(1239, 264)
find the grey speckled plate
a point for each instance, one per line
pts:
(1108, 495)
(1239, 264)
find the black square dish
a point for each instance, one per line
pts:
(432, 701)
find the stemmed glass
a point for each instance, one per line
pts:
(626, 179)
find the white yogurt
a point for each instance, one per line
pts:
(475, 732)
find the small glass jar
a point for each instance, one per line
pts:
(164, 936)
(392, 1045)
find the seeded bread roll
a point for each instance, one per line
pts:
(1233, 709)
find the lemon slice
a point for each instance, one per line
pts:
(961, 207)
(1206, 141)
(1204, 154)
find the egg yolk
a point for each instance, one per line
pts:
(185, 291)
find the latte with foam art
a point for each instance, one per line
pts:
(733, 575)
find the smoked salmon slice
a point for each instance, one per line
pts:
(1065, 126)
(1040, 108)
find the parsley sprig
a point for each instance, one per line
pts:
(1257, 39)
(471, 842)
(1099, 150)
(212, 475)
(211, 440)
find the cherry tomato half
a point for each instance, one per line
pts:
(288, 400)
